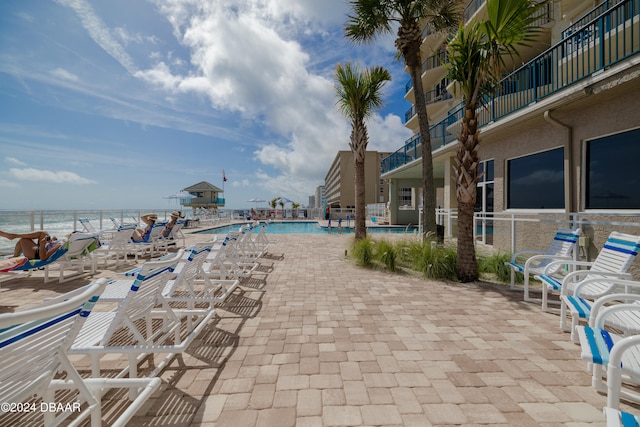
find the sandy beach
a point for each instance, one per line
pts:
(313, 340)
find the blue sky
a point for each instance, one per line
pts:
(116, 104)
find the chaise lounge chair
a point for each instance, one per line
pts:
(73, 255)
(33, 350)
(562, 247)
(612, 262)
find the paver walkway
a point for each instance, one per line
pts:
(312, 340)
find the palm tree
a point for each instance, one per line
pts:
(358, 95)
(476, 60)
(374, 17)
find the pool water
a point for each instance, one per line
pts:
(304, 227)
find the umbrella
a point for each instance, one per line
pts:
(284, 200)
(256, 201)
(180, 195)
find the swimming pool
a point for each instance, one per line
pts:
(305, 227)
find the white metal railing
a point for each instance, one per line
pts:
(487, 224)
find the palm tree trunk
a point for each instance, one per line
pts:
(359, 140)
(361, 227)
(466, 183)
(408, 42)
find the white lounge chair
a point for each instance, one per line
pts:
(532, 262)
(613, 261)
(33, 346)
(592, 295)
(617, 418)
(613, 352)
(142, 323)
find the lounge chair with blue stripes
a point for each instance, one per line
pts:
(143, 323)
(617, 418)
(612, 262)
(591, 296)
(73, 256)
(611, 352)
(532, 262)
(33, 350)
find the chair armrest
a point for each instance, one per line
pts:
(600, 275)
(604, 312)
(557, 258)
(600, 304)
(615, 282)
(517, 254)
(567, 262)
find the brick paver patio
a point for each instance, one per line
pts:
(313, 340)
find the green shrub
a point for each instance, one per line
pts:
(434, 261)
(494, 264)
(362, 252)
(386, 254)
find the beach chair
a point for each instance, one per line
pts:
(611, 353)
(141, 324)
(33, 345)
(612, 262)
(592, 295)
(532, 262)
(74, 255)
(189, 287)
(118, 247)
(76, 258)
(617, 418)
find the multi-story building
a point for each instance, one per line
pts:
(339, 183)
(562, 133)
(319, 197)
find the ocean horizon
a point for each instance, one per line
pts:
(61, 223)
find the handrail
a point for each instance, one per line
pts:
(609, 38)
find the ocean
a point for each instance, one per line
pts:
(62, 222)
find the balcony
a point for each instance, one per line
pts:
(610, 38)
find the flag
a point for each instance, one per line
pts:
(224, 177)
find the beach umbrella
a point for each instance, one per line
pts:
(180, 195)
(285, 200)
(256, 201)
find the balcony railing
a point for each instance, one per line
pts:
(439, 93)
(611, 37)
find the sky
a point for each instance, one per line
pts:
(118, 104)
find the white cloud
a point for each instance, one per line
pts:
(64, 75)
(14, 161)
(58, 177)
(99, 32)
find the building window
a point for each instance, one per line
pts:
(484, 194)
(406, 199)
(612, 180)
(536, 181)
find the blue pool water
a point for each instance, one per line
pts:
(300, 227)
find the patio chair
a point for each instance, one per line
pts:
(33, 346)
(74, 255)
(143, 323)
(118, 247)
(592, 295)
(562, 247)
(617, 418)
(76, 258)
(613, 354)
(612, 262)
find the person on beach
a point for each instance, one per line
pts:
(34, 245)
(141, 234)
(174, 217)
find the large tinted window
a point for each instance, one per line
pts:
(613, 181)
(536, 181)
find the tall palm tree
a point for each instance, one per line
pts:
(373, 17)
(476, 60)
(359, 94)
